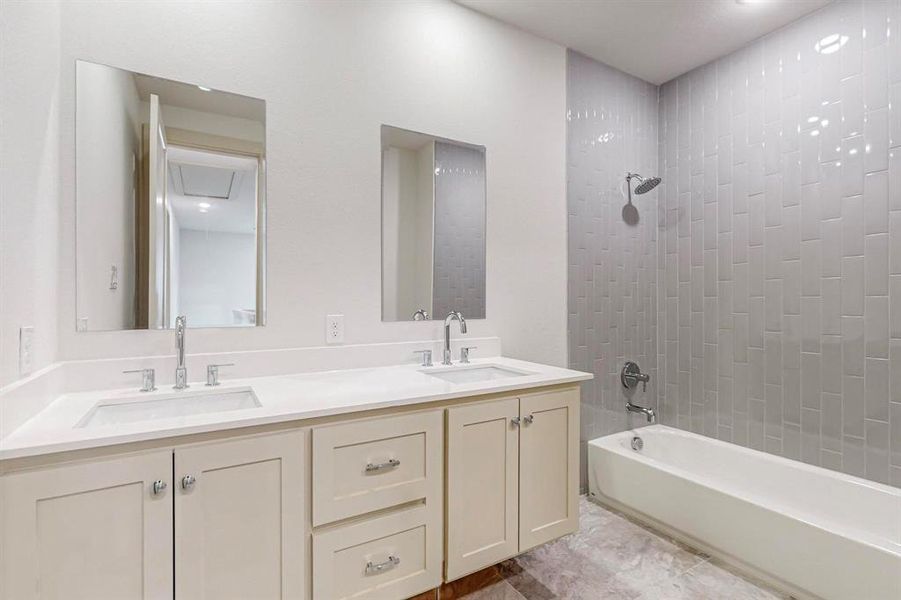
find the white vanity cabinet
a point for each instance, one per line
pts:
(239, 518)
(103, 529)
(89, 530)
(378, 506)
(383, 505)
(512, 477)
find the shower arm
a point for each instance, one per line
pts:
(629, 178)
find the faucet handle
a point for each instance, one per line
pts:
(426, 357)
(212, 373)
(464, 353)
(148, 378)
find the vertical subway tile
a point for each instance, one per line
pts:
(777, 264)
(877, 389)
(876, 326)
(876, 268)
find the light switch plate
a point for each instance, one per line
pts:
(26, 350)
(334, 329)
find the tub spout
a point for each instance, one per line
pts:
(647, 412)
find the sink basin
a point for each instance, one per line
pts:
(129, 410)
(475, 374)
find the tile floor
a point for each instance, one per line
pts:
(612, 557)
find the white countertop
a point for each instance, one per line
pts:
(282, 398)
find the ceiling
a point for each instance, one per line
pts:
(211, 191)
(656, 40)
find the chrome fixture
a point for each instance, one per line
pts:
(188, 481)
(518, 421)
(181, 373)
(631, 376)
(464, 354)
(426, 357)
(637, 443)
(447, 321)
(158, 487)
(148, 379)
(390, 464)
(212, 373)
(375, 568)
(421, 314)
(647, 412)
(644, 185)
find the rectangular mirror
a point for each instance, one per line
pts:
(433, 227)
(170, 203)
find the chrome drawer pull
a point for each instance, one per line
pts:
(371, 468)
(373, 569)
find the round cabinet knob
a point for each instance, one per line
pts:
(158, 487)
(528, 419)
(515, 421)
(188, 481)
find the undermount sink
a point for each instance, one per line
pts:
(475, 374)
(130, 410)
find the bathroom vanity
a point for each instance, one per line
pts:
(376, 483)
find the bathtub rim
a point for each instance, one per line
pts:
(610, 443)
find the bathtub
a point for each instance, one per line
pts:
(811, 531)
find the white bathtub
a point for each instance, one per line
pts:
(813, 531)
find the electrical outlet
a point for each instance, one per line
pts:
(26, 350)
(334, 329)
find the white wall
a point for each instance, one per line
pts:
(331, 74)
(29, 180)
(216, 274)
(108, 154)
(407, 231)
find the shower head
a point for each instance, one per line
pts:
(644, 186)
(647, 185)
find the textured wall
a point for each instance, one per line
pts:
(29, 181)
(611, 129)
(331, 74)
(780, 246)
(458, 282)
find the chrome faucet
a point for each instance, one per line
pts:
(447, 321)
(647, 412)
(181, 373)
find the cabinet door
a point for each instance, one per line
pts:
(482, 485)
(239, 527)
(92, 531)
(549, 467)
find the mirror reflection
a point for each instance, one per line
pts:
(170, 203)
(433, 227)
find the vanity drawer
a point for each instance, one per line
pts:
(369, 465)
(395, 556)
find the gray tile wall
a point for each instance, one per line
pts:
(611, 129)
(779, 262)
(459, 275)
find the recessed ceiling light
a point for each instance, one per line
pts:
(203, 210)
(204, 205)
(204, 89)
